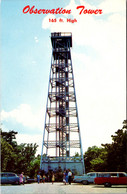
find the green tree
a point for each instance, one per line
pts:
(9, 137)
(34, 166)
(116, 157)
(77, 156)
(6, 154)
(99, 164)
(125, 124)
(26, 154)
(14, 157)
(95, 159)
(110, 157)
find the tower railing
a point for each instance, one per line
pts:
(57, 34)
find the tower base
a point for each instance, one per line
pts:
(76, 167)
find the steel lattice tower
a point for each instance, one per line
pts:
(61, 137)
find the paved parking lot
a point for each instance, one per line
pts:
(60, 188)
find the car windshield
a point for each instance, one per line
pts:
(122, 174)
(11, 174)
(91, 174)
(3, 175)
(103, 175)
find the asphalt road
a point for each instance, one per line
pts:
(60, 188)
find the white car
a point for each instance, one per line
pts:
(85, 179)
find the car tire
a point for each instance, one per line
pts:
(107, 184)
(85, 182)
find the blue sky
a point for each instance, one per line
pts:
(99, 64)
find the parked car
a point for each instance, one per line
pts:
(85, 178)
(111, 178)
(9, 178)
(29, 180)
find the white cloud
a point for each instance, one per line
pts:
(113, 6)
(24, 115)
(33, 62)
(99, 75)
(36, 39)
(32, 121)
(101, 96)
(95, 32)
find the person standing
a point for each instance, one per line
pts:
(38, 178)
(64, 181)
(43, 178)
(69, 176)
(66, 177)
(53, 178)
(21, 178)
(48, 178)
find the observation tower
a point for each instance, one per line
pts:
(61, 136)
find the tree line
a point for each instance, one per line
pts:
(18, 158)
(109, 157)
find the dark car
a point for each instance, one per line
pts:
(30, 180)
(9, 178)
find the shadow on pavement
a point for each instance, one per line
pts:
(112, 187)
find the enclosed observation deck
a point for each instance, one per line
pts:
(63, 39)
